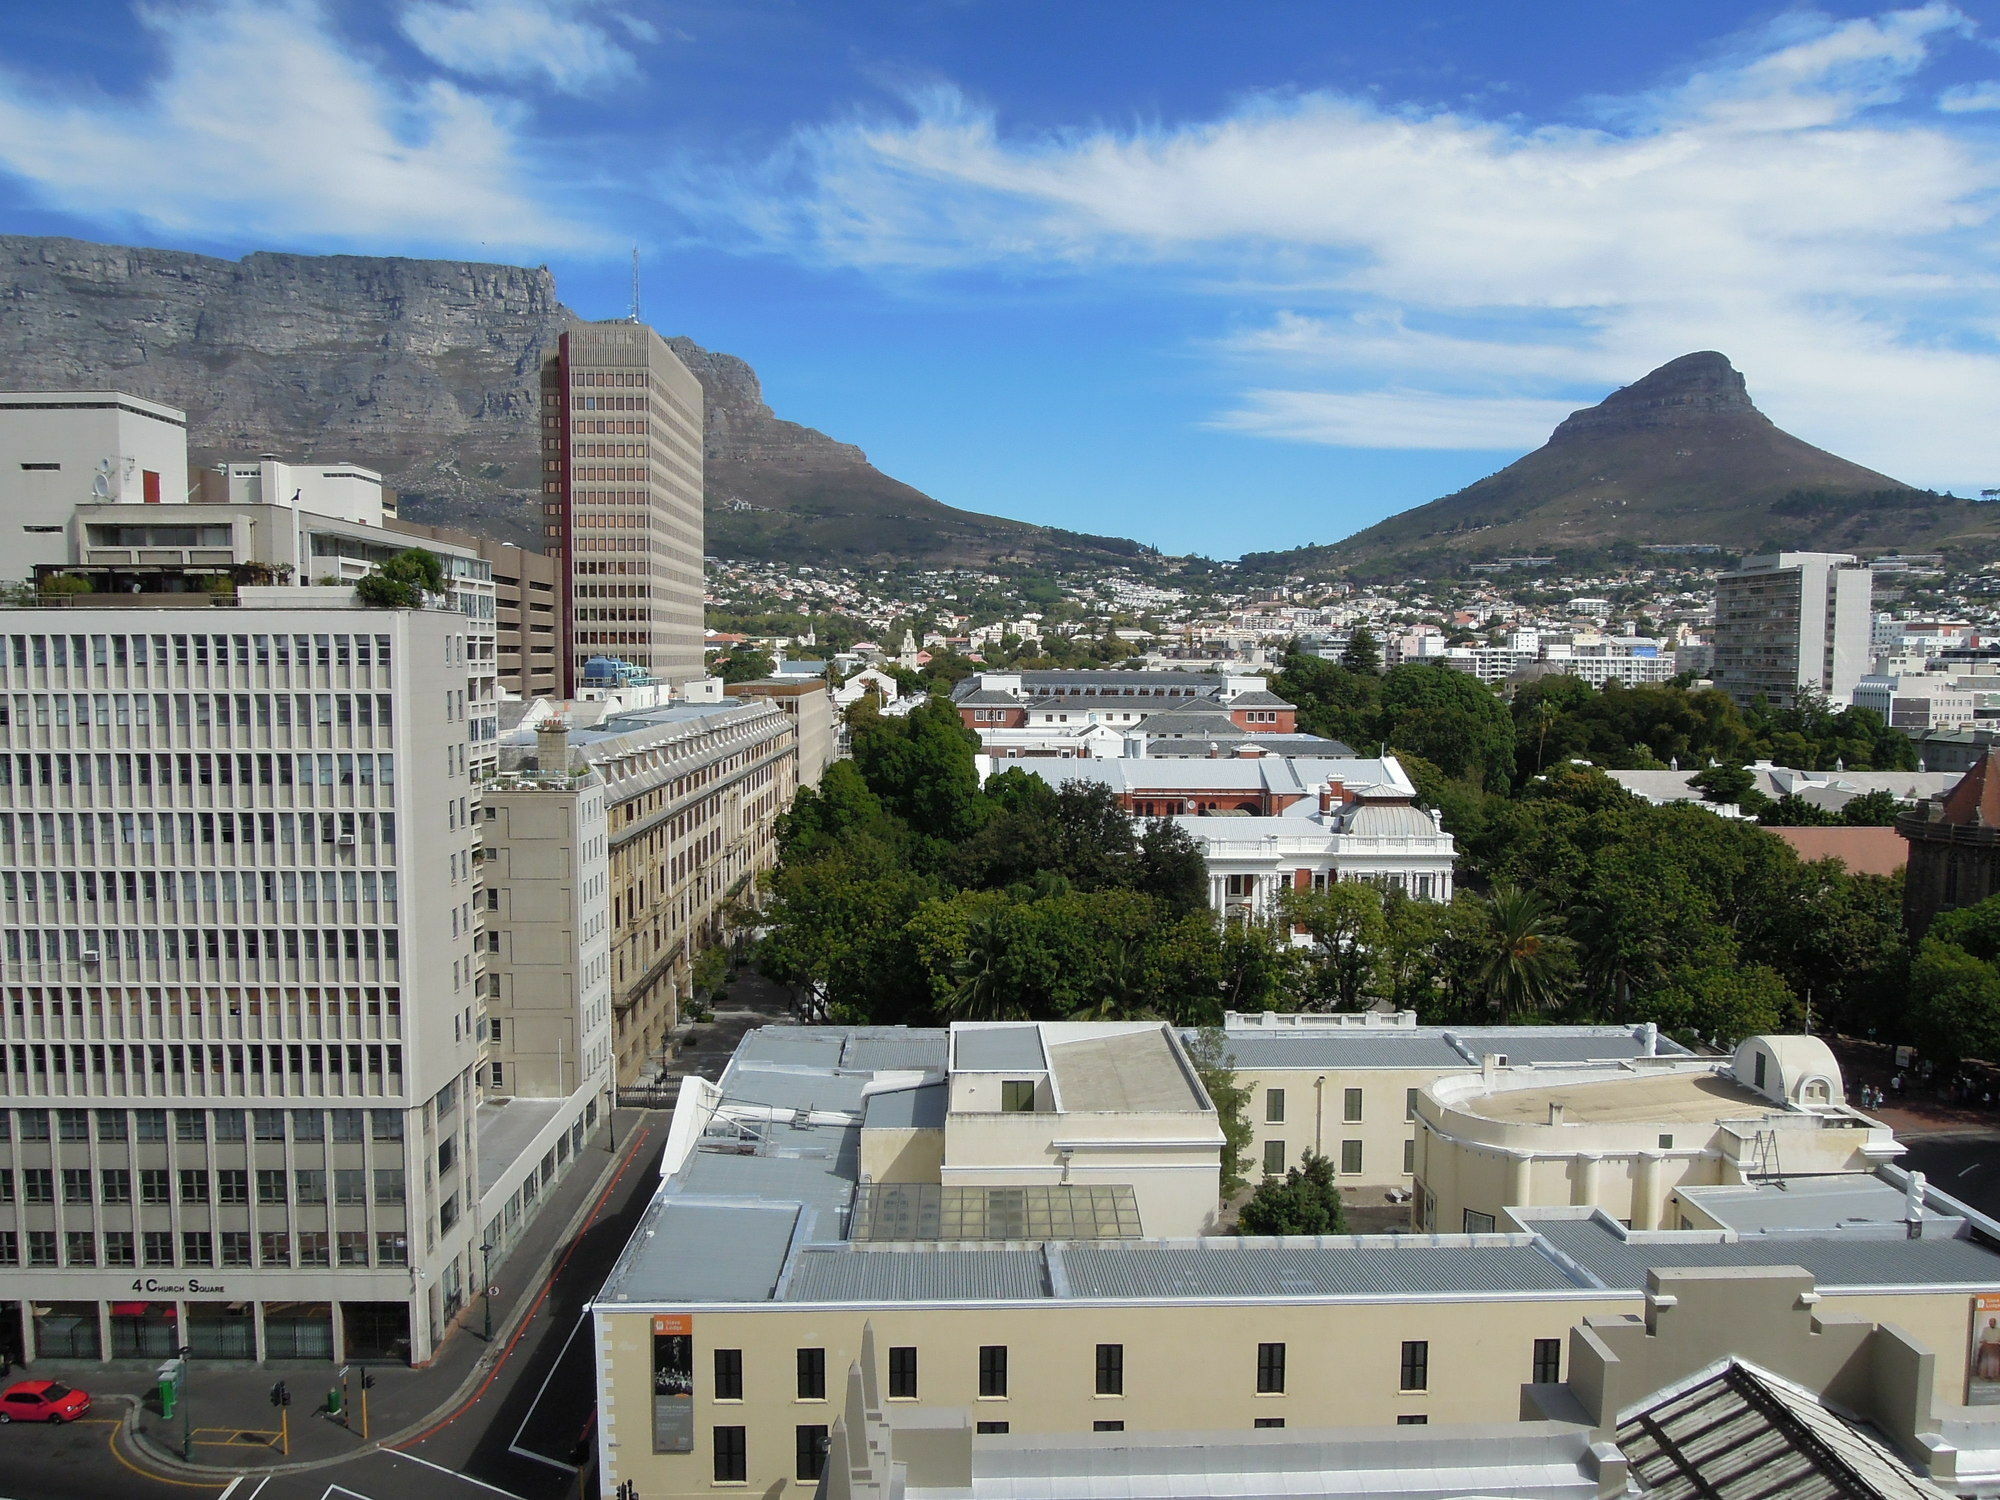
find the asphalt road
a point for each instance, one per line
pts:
(503, 1439)
(1965, 1165)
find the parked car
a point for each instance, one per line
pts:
(42, 1401)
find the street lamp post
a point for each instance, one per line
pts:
(486, 1285)
(187, 1416)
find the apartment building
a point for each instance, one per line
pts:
(241, 1038)
(622, 493)
(59, 449)
(1792, 620)
(1068, 713)
(811, 706)
(816, 1297)
(692, 793)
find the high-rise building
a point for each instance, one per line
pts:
(622, 492)
(1792, 620)
(239, 885)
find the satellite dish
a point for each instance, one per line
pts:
(100, 486)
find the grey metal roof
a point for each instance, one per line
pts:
(926, 1274)
(1343, 1049)
(721, 1253)
(794, 1087)
(1532, 1045)
(1835, 1259)
(1325, 1268)
(998, 1049)
(907, 1109)
(894, 1047)
(1805, 1203)
(814, 1046)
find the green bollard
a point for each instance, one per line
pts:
(169, 1391)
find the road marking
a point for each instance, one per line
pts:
(514, 1447)
(644, 1135)
(455, 1474)
(1971, 1169)
(111, 1443)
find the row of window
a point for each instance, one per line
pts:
(1351, 1103)
(1350, 1159)
(48, 887)
(229, 1185)
(1109, 1371)
(197, 710)
(200, 1124)
(198, 650)
(198, 1248)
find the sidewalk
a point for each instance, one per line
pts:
(231, 1417)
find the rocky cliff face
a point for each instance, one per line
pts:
(428, 371)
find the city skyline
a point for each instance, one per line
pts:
(1213, 285)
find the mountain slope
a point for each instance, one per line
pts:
(428, 371)
(1681, 456)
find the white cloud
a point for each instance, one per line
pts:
(1779, 203)
(525, 41)
(260, 123)
(1396, 419)
(1969, 98)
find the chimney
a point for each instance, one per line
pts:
(552, 747)
(1649, 1039)
(1326, 799)
(1913, 1205)
(1555, 1112)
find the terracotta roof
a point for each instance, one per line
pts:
(1975, 801)
(1865, 851)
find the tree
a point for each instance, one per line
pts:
(747, 664)
(1304, 1201)
(1362, 654)
(1526, 958)
(1208, 1050)
(1345, 922)
(1721, 1004)
(1451, 719)
(1727, 785)
(1954, 1004)
(1871, 810)
(403, 581)
(1169, 867)
(1793, 811)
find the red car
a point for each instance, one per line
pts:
(42, 1401)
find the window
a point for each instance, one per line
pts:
(1274, 1106)
(1409, 1104)
(1350, 1105)
(80, 1247)
(1111, 1369)
(347, 1124)
(1017, 1096)
(194, 1185)
(38, 1185)
(989, 1429)
(158, 1246)
(1270, 1369)
(992, 1369)
(729, 1374)
(197, 1248)
(72, 1125)
(1350, 1156)
(385, 1124)
(190, 1125)
(1413, 1421)
(235, 1247)
(1666, 1143)
(232, 1185)
(229, 1125)
(1409, 1156)
(732, 1459)
(76, 1185)
(118, 1248)
(268, 1124)
(903, 1372)
(388, 1184)
(351, 1247)
(1113, 1426)
(1478, 1223)
(152, 1124)
(274, 1248)
(270, 1184)
(308, 1125)
(812, 1375)
(111, 1124)
(1416, 1366)
(808, 1452)
(154, 1185)
(42, 1247)
(1548, 1361)
(313, 1249)
(1274, 1158)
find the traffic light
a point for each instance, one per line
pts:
(628, 1491)
(367, 1381)
(280, 1395)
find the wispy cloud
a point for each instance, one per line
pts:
(567, 44)
(261, 123)
(1447, 278)
(1970, 98)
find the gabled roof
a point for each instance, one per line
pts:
(1975, 801)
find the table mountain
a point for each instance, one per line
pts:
(427, 371)
(1682, 456)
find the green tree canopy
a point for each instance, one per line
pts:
(1305, 1200)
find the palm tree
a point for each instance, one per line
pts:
(1525, 954)
(980, 992)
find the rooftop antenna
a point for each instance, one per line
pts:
(635, 283)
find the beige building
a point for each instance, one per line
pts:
(692, 792)
(1627, 1136)
(811, 705)
(1345, 1085)
(798, 1232)
(622, 493)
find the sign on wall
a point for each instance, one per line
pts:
(673, 1383)
(1982, 1359)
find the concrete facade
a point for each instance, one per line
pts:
(1792, 620)
(622, 492)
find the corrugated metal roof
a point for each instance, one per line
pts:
(846, 1274)
(720, 1253)
(1332, 1268)
(998, 1049)
(1306, 1048)
(896, 1047)
(1835, 1260)
(796, 1088)
(812, 1046)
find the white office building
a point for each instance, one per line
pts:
(243, 1025)
(1793, 620)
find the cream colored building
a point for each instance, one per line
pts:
(809, 1220)
(1626, 1136)
(1344, 1085)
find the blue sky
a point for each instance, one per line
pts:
(1216, 276)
